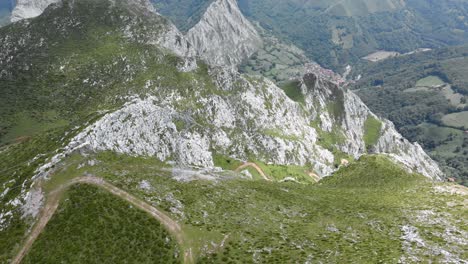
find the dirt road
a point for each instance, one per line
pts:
(256, 167)
(53, 200)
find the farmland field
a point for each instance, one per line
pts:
(430, 81)
(456, 119)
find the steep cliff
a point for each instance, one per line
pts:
(224, 36)
(356, 130)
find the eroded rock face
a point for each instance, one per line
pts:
(257, 119)
(340, 111)
(404, 152)
(224, 37)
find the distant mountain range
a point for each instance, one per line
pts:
(337, 33)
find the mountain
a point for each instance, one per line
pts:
(285, 132)
(231, 36)
(118, 131)
(425, 95)
(337, 33)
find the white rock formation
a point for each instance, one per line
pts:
(177, 43)
(224, 37)
(411, 155)
(33, 8)
(324, 97)
(240, 124)
(29, 8)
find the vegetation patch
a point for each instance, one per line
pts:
(329, 140)
(294, 91)
(418, 112)
(276, 133)
(281, 172)
(18, 163)
(373, 171)
(372, 130)
(430, 81)
(226, 163)
(94, 226)
(458, 120)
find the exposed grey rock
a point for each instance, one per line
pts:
(33, 8)
(224, 37)
(175, 41)
(29, 8)
(342, 112)
(240, 124)
(33, 202)
(411, 155)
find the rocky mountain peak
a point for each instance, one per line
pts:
(33, 8)
(340, 112)
(29, 8)
(223, 36)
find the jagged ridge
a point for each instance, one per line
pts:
(224, 36)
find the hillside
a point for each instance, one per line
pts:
(117, 128)
(425, 96)
(373, 206)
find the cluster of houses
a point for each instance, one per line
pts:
(325, 74)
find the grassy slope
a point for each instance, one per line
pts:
(372, 130)
(93, 226)
(429, 81)
(448, 146)
(293, 91)
(17, 164)
(355, 216)
(456, 120)
(89, 68)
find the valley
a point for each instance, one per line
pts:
(422, 92)
(339, 33)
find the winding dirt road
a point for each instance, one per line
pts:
(52, 204)
(256, 167)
